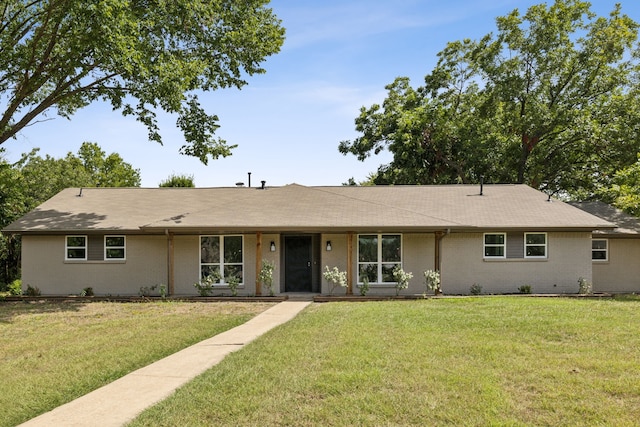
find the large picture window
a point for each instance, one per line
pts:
(378, 255)
(600, 250)
(494, 245)
(114, 247)
(535, 245)
(221, 257)
(76, 248)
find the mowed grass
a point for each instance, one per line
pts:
(469, 361)
(53, 353)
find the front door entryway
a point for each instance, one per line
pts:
(298, 264)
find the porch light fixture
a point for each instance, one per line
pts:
(328, 245)
(272, 246)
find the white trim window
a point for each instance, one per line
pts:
(535, 245)
(222, 256)
(75, 248)
(600, 250)
(378, 255)
(495, 245)
(115, 248)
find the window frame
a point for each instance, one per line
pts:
(531, 245)
(502, 245)
(84, 247)
(221, 263)
(379, 263)
(123, 248)
(605, 250)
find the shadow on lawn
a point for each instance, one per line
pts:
(9, 310)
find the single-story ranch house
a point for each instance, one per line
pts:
(117, 240)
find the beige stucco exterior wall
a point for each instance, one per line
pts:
(621, 273)
(44, 266)
(569, 257)
(186, 264)
(337, 257)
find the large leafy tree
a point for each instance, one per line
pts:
(43, 177)
(141, 56)
(549, 100)
(624, 191)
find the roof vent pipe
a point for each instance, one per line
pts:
(80, 193)
(263, 183)
(249, 173)
(481, 184)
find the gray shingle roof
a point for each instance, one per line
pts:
(300, 208)
(626, 224)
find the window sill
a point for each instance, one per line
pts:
(115, 261)
(379, 285)
(515, 259)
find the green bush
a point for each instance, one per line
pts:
(233, 282)
(584, 286)
(475, 289)
(364, 288)
(525, 289)
(15, 287)
(32, 291)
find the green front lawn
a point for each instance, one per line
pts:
(53, 353)
(464, 361)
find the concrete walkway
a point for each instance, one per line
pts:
(121, 401)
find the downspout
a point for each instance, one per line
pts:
(170, 262)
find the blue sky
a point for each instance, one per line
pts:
(337, 57)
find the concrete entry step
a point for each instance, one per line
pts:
(300, 296)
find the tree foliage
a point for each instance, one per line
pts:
(549, 100)
(178, 181)
(141, 56)
(624, 191)
(42, 178)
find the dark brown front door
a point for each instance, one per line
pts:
(298, 261)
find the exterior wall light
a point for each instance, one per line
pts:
(328, 245)
(272, 246)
